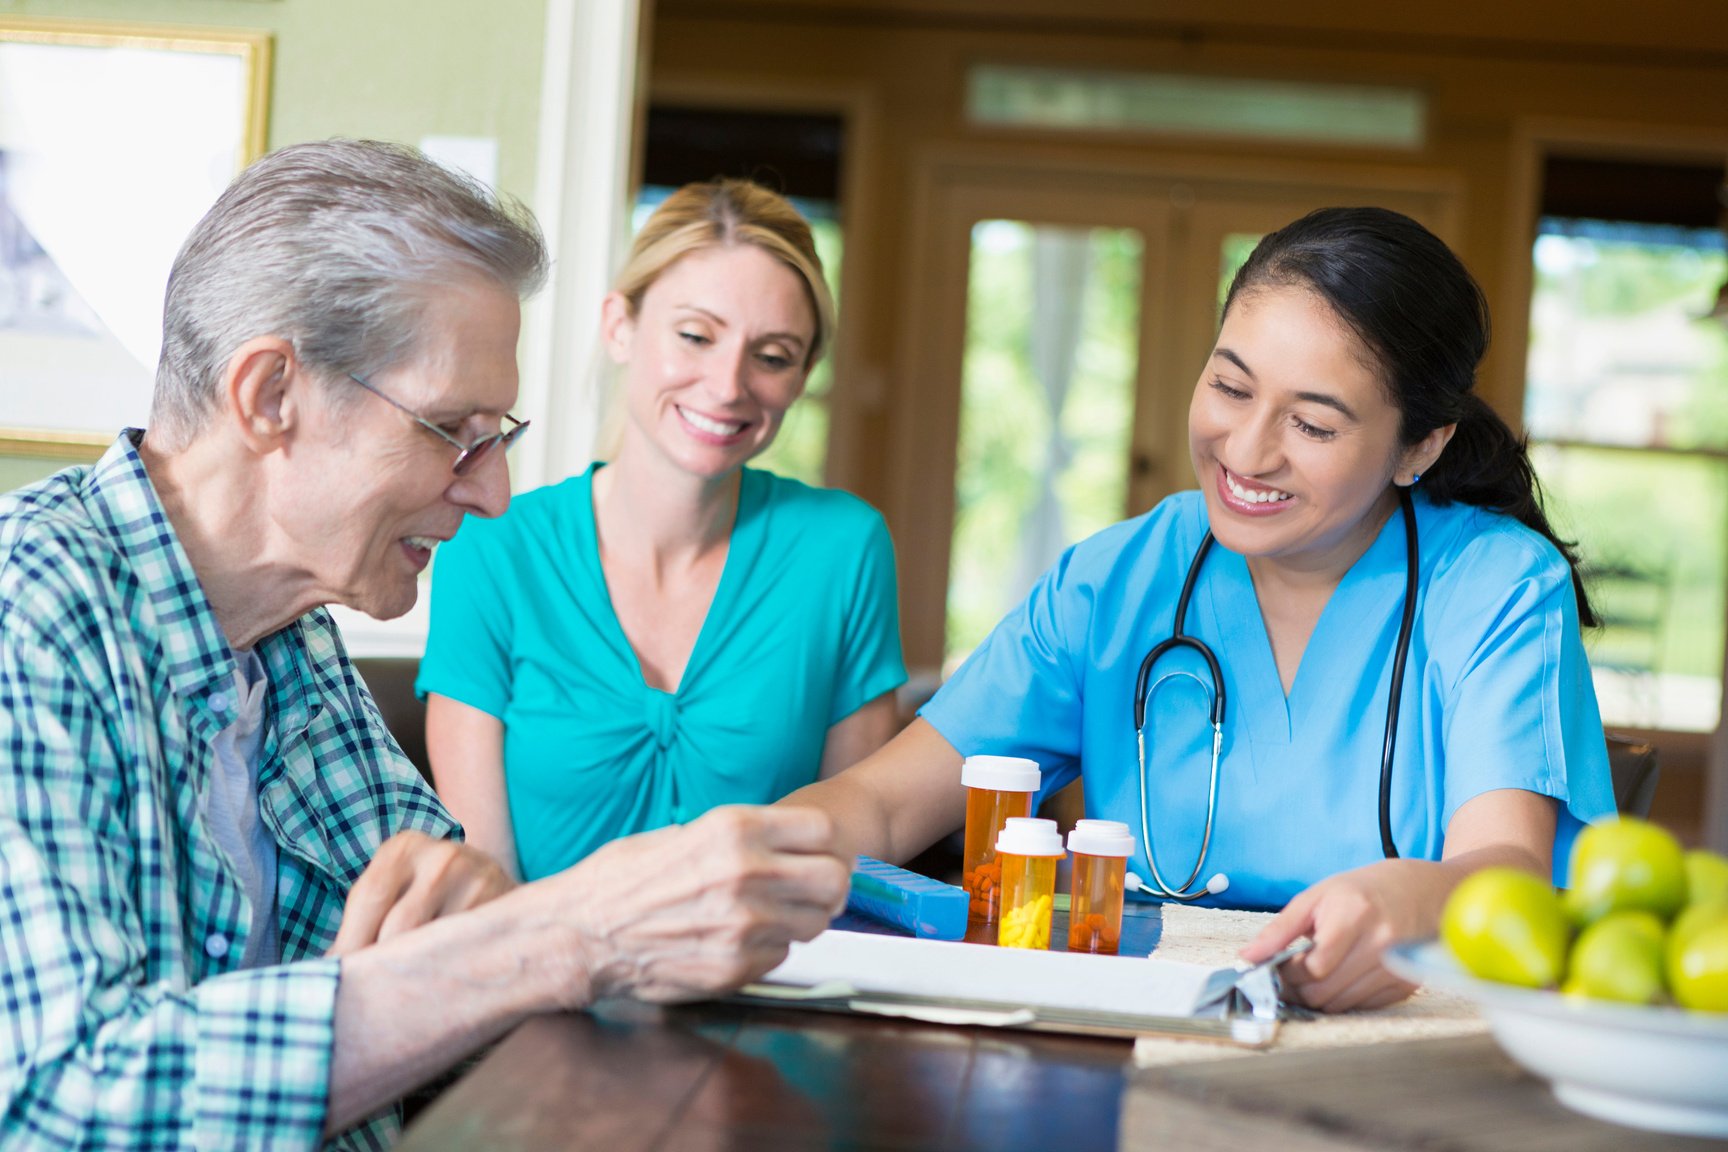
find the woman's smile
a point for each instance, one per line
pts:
(1249, 498)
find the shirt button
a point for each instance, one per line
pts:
(216, 945)
(219, 702)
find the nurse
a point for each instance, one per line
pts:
(1341, 385)
(673, 630)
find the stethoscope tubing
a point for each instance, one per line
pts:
(1178, 638)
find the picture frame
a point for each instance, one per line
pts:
(115, 138)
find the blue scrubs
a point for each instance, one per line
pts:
(803, 631)
(1497, 694)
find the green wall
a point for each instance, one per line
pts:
(382, 69)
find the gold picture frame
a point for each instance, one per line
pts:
(210, 92)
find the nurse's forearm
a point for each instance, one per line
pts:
(893, 804)
(1505, 827)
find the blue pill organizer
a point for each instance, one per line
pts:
(916, 904)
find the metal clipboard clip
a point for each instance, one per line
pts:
(1252, 992)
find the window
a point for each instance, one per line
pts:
(1626, 404)
(1076, 99)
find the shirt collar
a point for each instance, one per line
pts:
(124, 505)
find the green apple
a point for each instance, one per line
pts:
(1619, 957)
(1625, 865)
(1507, 926)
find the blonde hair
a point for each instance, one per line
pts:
(727, 213)
(718, 214)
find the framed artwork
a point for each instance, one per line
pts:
(114, 140)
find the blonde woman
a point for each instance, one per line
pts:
(672, 630)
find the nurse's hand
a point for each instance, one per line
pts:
(1352, 917)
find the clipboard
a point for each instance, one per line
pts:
(1238, 1030)
(882, 972)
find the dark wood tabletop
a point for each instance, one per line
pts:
(708, 1077)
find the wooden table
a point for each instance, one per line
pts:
(723, 1076)
(1452, 1095)
(727, 1076)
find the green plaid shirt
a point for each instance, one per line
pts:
(126, 1023)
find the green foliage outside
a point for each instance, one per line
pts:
(1651, 530)
(1238, 246)
(1005, 420)
(1624, 281)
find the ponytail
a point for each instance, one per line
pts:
(1486, 465)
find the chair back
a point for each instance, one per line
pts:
(1634, 768)
(390, 679)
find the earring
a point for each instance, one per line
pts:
(1414, 477)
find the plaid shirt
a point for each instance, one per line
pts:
(126, 1023)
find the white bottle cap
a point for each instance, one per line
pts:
(1029, 836)
(1101, 838)
(1003, 773)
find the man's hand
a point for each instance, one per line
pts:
(691, 911)
(413, 880)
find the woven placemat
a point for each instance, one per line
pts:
(1213, 937)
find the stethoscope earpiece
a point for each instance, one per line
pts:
(1215, 886)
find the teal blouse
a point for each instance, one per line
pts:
(803, 630)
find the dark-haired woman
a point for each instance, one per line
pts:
(1375, 534)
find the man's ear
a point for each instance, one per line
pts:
(1420, 456)
(263, 389)
(617, 326)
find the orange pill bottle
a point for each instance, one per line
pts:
(997, 788)
(1028, 851)
(1101, 849)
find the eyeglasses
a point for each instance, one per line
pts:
(467, 455)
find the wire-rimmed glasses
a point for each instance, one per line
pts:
(467, 455)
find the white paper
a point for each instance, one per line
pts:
(475, 155)
(1018, 976)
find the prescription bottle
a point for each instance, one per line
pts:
(1028, 851)
(997, 788)
(1101, 849)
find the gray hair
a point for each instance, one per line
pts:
(337, 247)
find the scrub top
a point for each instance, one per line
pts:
(1496, 694)
(803, 630)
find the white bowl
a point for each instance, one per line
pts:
(1659, 1068)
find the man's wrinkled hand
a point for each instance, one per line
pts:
(697, 910)
(413, 880)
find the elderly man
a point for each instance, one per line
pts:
(232, 914)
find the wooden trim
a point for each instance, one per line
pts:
(53, 444)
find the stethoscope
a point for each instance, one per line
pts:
(1179, 639)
